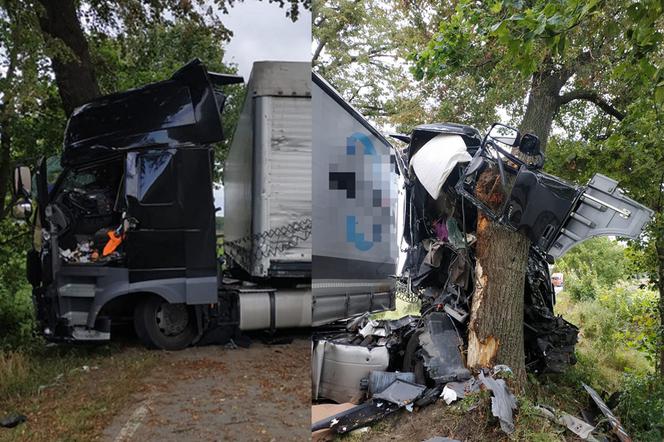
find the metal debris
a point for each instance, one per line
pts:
(380, 380)
(577, 426)
(503, 401)
(440, 347)
(401, 392)
(613, 420)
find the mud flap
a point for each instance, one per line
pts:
(440, 343)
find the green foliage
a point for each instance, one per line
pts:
(16, 311)
(620, 319)
(598, 262)
(640, 407)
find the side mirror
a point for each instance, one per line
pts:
(530, 144)
(22, 183)
(22, 210)
(505, 134)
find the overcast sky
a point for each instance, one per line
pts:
(261, 32)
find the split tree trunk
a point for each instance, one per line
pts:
(495, 334)
(74, 72)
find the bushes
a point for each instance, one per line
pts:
(595, 264)
(17, 319)
(16, 309)
(641, 407)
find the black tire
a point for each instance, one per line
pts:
(164, 326)
(412, 361)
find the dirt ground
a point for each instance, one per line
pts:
(260, 393)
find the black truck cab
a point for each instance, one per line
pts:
(128, 227)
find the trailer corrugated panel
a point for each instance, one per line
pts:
(268, 174)
(282, 180)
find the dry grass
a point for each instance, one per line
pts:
(69, 393)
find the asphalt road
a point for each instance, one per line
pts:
(261, 393)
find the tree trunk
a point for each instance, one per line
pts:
(5, 171)
(659, 248)
(495, 335)
(543, 103)
(74, 72)
(495, 332)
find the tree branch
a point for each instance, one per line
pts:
(593, 97)
(319, 49)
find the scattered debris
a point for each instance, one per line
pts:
(12, 420)
(577, 426)
(86, 252)
(380, 380)
(503, 401)
(613, 420)
(356, 417)
(401, 392)
(441, 439)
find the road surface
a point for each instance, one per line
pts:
(261, 393)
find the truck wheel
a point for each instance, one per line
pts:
(162, 325)
(412, 361)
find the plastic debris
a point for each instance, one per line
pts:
(12, 420)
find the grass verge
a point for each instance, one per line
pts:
(69, 393)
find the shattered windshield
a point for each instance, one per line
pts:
(101, 176)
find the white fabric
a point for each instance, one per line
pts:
(434, 162)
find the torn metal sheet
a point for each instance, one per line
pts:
(380, 380)
(401, 392)
(461, 389)
(503, 401)
(440, 343)
(538, 205)
(344, 367)
(617, 427)
(577, 426)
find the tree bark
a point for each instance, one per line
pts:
(495, 332)
(74, 72)
(659, 248)
(543, 103)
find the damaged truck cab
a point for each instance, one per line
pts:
(442, 168)
(127, 229)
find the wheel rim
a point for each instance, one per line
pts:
(172, 319)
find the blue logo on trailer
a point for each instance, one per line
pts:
(352, 235)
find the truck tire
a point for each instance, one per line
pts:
(162, 325)
(412, 360)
